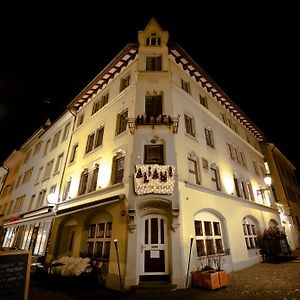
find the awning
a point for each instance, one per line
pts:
(38, 218)
(85, 206)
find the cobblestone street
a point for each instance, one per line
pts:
(274, 281)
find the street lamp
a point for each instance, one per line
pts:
(188, 266)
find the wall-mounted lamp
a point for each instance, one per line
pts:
(268, 182)
(131, 125)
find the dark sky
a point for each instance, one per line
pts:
(49, 53)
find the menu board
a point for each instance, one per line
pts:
(14, 274)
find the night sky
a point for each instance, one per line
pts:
(49, 53)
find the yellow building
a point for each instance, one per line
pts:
(158, 153)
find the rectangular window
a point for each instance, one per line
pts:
(48, 169)
(215, 178)
(185, 86)
(189, 125)
(255, 167)
(47, 145)
(66, 190)
(118, 170)
(236, 185)
(154, 154)
(125, 82)
(83, 182)
(122, 122)
(55, 140)
(209, 137)
(73, 153)
(99, 137)
(153, 106)
(93, 185)
(193, 171)
(231, 151)
(153, 63)
(90, 143)
(58, 163)
(80, 119)
(66, 131)
(203, 101)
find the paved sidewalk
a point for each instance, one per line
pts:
(276, 281)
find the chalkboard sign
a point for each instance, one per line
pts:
(14, 274)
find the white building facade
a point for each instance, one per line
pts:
(158, 153)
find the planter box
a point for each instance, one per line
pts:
(197, 278)
(209, 280)
(223, 278)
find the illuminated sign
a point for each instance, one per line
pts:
(154, 179)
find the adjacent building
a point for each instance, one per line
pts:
(155, 153)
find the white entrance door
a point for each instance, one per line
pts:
(154, 258)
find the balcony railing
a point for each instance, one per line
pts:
(167, 120)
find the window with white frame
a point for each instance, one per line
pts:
(99, 239)
(194, 171)
(208, 234)
(121, 122)
(39, 175)
(153, 63)
(250, 233)
(189, 125)
(209, 137)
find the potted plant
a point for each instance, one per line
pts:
(209, 273)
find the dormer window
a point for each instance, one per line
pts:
(153, 40)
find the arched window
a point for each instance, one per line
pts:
(209, 234)
(250, 233)
(99, 238)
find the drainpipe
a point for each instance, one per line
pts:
(68, 149)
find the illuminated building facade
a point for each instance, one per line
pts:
(158, 153)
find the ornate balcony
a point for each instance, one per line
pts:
(167, 120)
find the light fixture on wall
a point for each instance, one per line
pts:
(268, 182)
